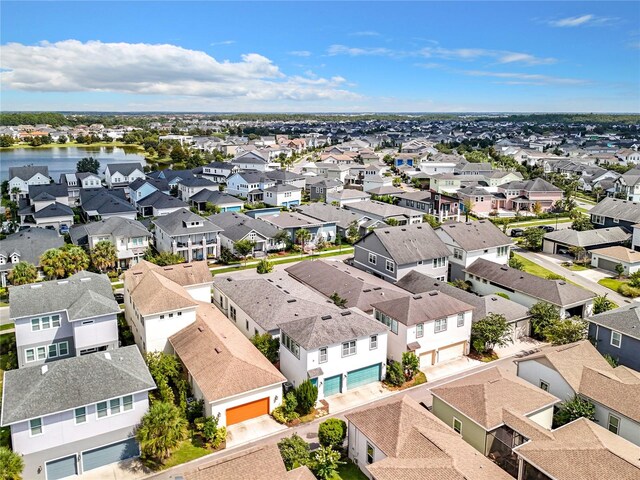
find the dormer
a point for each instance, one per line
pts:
(3, 259)
(193, 224)
(15, 257)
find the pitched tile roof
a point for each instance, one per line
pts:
(482, 396)
(73, 382)
(421, 308)
(476, 235)
(221, 360)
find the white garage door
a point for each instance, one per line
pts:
(521, 329)
(426, 359)
(450, 353)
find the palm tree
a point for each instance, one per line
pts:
(103, 255)
(281, 238)
(303, 236)
(15, 192)
(75, 259)
(161, 430)
(52, 263)
(23, 273)
(11, 465)
(597, 191)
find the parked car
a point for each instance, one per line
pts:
(517, 232)
(546, 228)
(119, 297)
(64, 229)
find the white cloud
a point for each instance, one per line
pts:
(224, 42)
(512, 57)
(514, 78)
(300, 53)
(583, 20)
(74, 66)
(359, 52)
(366, 33)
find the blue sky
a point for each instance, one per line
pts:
(321, 57)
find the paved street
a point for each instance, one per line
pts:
(4, 315)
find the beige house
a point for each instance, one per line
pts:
(608, 258)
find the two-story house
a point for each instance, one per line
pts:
(472, 240)
(143, 187)
(338, 351)
(254, 160)
(237, 226)
(282, 196)
(120, 175)
(77, 414)
(100, 203)
(249, 184)
(77, 181)
(443, 207)
(219, 171)
(184, 233)
(614, 212)
(617, 333)
(48, 206)
(130, 238)
(63, 318)
(161, 301)
(628, 185)
(188, 187)
(22, 177)
(392, 252)
(385, 212)
(292, 222)
(524, 195)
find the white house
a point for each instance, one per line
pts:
(22, 177)
(122, 174)
(338, 351)
(282, 196)
(433, 325)
(610, 257)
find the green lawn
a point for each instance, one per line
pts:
(533, 268)
(535, 223)
(185, 453)
(349, 471)
(577, 268)
(611, 283)
(8, 326)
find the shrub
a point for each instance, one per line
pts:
(555, 276)
(195, 409)
(502, 294)
(462, 284)
(410, 364)
(395, 374)
(211, 432)
(268, 346)
(306, 395)
(289, 405)
(628, 291)
(612, 361)
(11, 465)
(420, 378)
(325, 463)
(338, 300)
(279, 415)
(332, 432)
(226, 256)
(572, 410)
(516, 263)
(294, 451)
(542, 315)
(264, 266)
(567, 330)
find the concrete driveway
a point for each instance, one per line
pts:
(249, 430)
(452, 367)
(4, 315)
(357, 396)
(126, 470)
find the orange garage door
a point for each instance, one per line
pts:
(248, 410)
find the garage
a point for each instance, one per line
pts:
(451, 352)
(427, 359)
(332, 385)
(62, 468)
(114, 453)
(247, 411)
(363, 376)
(604, 264)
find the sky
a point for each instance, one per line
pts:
(455, 56)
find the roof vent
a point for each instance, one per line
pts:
(291, 300)
(366, 290)
(85, 279)
(107, 355)
(504, 267)
(495, 299)
(44, 369)
(344, 314)
(285, 291)
(270, 280)
(377, 288)
(326, 317)
(218, 350)
(433, 294)
(417, 297)
(200, 329)
(62, 282)
(562, 283)
(229, 279)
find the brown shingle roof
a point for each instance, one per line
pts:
(221, 360)
(619, 253)
(483, 396)
(419, 446)
(425, 307)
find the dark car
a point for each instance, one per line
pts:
(119, 297)
(546, 228)
(517, 232)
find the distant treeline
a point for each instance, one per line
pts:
(588, 118)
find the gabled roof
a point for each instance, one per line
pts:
(115, 226)
(217, 198)
(30, 243)
(329, 213)
(176, 223)
(588, 238)
(104, 201)
(236, 225)
(381, 209)
(619, 252)
(157, 183)
(615, 208)
(221, 360)
(160, 200)
(556, 292)
(68, 294)
(421, 308)
(125, 169)
(48, 192)
(476, 235)
(53, 210)
(535, 185)
(73, 382)
(408, 243)
(625, 320)
(27, 172)
(483, 396)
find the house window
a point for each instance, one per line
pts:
(290, 345)
(232, 312)
(127, 402)
(370, 452)
(440, 325)
(80, 415)
(544, 385)
(390, 266)
(439, 262)
(114, 406)
(420, 330)
(349, 348)
(457, 425)
(502, 251)
(102, 409)
(171, 315)
(388, 321)
(373, 342)
(246, 325)
(161, 317)
(461, 320)
(616, 339)
(322, 355)
(372, 258)
(42, 353)
(44, 323)
(30, 354)
(35, 425)
(457, 253)
(613, 424)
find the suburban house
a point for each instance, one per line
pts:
(526, 289)
(385, 212)
(158, 204)
(249, 184)
(319, 188)
(188, 187)
(337, 351)
(392, 252)
(280, 195)
(635, 241)
(524, 195)
(473, 240)
(254, 160)
(561, 241)
(130, 238)
(258, 463)
(237, 226)
(100, 203)
(26, 246)
(613, 212)
(223, 201)
(186, 234)
(489, 409)
(617, 333)
(579, 369)
(172, 177)
(516, 315)
(48, 206)
(401, 440)
(628, 185)
(120, 175)
(77, 181)
(567, 453)
(219, 171)
(345, 197)
(23, 177)
(433, 325)
(343, 218)
(224, 369)
(291, 222)
(443, 207)
(143, 187)
(609, 258)
(63, 318)
(93, 405)
(160, 301)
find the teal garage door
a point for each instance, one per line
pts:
(363, 376)
(110, 454)
(332, 385)
(62, 468)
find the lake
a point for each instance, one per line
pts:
(63, 159)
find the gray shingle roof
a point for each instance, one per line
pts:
(159, 183)
(73, 382)
(161, 200)
(322, 330)
(625, 320)
(69, 294)
(425, 307)
(615, 208)
(588, 238)
(291, 220)
(31, 243)
(557, 292)
(104, 201)
(54, 210)
(175, 223)
(380, 209)
(535, 185)
(409, 243)
(217, 198)
(476, 235)
(116, 226)
(124, 168)
(27, 172)
(237, 225)
(329, 213)
(39, 192)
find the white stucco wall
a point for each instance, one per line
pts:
(357, 449)
(533, 372)
(274, 392)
